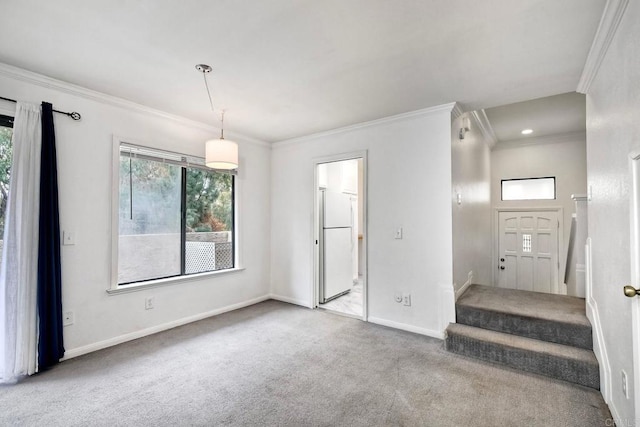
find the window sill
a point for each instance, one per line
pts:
(124, 289)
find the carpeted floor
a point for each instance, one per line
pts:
(278, 364)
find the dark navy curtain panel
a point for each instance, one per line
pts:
(50, 343)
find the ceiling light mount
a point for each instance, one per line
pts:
(204, 68)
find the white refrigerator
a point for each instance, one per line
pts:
(336, 244)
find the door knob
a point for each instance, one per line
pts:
(502, 268)
(630, 291)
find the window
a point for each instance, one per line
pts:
(529, 189)
(175, 216)
(6, 132)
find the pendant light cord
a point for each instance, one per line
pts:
(206, 85)
(204, 69)
(222, 125)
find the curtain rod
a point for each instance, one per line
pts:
(74, 115)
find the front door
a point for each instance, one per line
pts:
(528, 251)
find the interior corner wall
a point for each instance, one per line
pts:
(471, 179)
(408, 185)
(84, 173)
(565, 160)
(613, 132)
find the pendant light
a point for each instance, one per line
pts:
(219, 153)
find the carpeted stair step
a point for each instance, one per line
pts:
(554, 318)
(553, 360)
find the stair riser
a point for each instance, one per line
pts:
(586, 374)
(540, 329)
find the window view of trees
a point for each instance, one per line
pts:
(5, 168)
(152, 243)
(154, 206)
(149, 197)
(208, 201)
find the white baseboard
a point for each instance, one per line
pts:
(290, 300)
(599, 346)
(79, 351)
(463, 288)
(600, 350)
(406, 327)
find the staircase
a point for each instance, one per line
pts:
(540, 333)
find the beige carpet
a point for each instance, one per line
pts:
(277, 364)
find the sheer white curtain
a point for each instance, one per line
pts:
(19, 272)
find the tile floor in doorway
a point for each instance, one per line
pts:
(350, 303)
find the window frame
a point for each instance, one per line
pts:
(114, 286)
(6, 120)
(502, 181)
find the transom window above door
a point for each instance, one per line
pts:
(529, 189)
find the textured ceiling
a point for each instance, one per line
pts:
(287, 68)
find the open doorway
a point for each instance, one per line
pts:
(519, 188)
(340, 237)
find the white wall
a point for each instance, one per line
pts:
(563, 157)
(471, 178)
(613, 131)
(84, 166)
(409, 186)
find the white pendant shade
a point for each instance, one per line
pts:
(221, 154)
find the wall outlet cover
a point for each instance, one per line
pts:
(406, 299)
(67, 318)
(398, 234)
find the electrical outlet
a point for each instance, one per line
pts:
(149, 303)
(625, 384)
(398, 234)
(406, 299)
(68, 238)
(398, 297)
(67, 318)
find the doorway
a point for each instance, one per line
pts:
(528, 256)
(340, 236)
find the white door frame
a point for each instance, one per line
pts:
(634, 160)
(315, 291)
(560, 288)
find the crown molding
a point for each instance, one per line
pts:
(485, 127)
(611, 17)
(542, 140)
(398, 117)
(103, 98)
(456, 111)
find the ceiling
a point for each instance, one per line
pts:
(287, 68)
(552, 115)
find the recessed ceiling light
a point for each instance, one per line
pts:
(527, 131)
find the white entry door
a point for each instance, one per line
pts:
(528, 251)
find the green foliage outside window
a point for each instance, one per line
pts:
(156, 192)
(5, 169)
